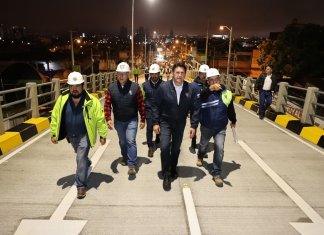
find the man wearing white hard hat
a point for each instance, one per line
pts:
(124, 98)
(216, 109)
(149, 89)
(78, 116)
(199, 83)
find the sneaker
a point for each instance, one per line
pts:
(81, 193)
(131, 171)
(199, 162)
(218, 181)
(167, 183)
(123, 162)
(150, 152)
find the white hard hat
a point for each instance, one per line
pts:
(212, 72)
(123, 67)
(154, 68)
(75, 78)
(203, 68)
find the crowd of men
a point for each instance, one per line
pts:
(164, 106)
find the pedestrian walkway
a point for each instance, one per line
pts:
(272, 178)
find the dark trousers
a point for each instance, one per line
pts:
(136, 78)
(170, 150)
(265, 101)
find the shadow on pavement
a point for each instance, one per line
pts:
(227, 168)
(187, 172)
(94, 180)
(140, 162)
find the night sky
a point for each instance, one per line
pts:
(248, 17)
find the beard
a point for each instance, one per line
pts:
(76, 94)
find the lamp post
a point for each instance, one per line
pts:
(72, 51)
(132, 53)
(229, 47)
(132, 40)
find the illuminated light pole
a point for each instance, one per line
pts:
(132, 62)
(132, 39)
(229, 47)
(72, 51)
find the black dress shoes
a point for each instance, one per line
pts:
(167, 183)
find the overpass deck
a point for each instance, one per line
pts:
(273, 185)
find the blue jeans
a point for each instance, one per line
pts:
(81, 146)
(170, 152)
(127, 140)
(219, 140)
(265, 101)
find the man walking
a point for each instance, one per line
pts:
(199, 83)
(173, 101)
(216, 108)
(126, 100)
(149, 88)
(78, 116)
(266, 84)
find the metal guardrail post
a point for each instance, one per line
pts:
(2, 129)
(33, 98)
(309, 106)
(94, 86)
(100, 81)
(85, 82)
(228, 81)
(56, 87)
(238, 85)
(248, 89)
(106, 80)
(282, 97)
(223, 79)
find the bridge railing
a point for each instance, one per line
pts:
(35, 100)
(302, 103)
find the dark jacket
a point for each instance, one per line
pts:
(260, 81)
(166, 108)
(148, 89)
(126, 102)
(216, 108)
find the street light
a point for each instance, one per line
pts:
(229, 46)
(132, 64)
(72, 51)
(132, 54)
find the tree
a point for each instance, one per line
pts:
(298, 52)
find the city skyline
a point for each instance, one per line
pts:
(253, 18)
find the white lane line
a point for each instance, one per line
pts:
(297, 137)
(191, 211)
(307, 209)
(6, 158)
(67, 201)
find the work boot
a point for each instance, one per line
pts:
(81, 192)
(199, 162)
(150, 152)
(218, 181)
(131, 171)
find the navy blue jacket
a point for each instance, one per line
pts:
(166, 108)
(214, 113)
(149, 88)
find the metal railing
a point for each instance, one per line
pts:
(302, 103)
(35, 100)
